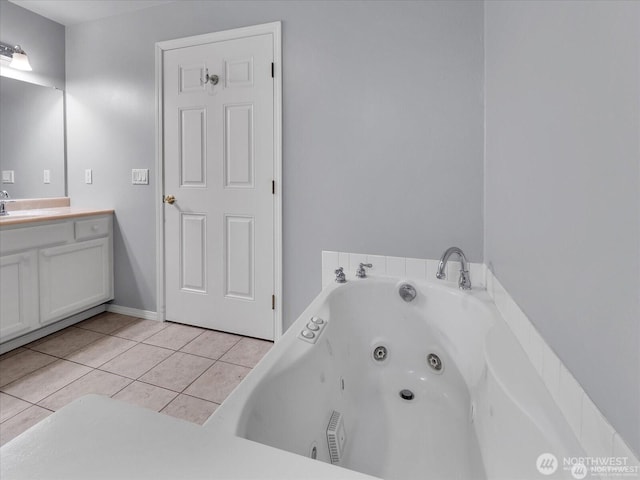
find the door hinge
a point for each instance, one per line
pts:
(273, 69)
(273, 187)
(273, 302)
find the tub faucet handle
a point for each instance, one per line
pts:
(340, 276)
(361, 272)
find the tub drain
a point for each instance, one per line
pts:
(379, 353)
(434, 362)
(406, 394)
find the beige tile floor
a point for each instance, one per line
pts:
(178, 370)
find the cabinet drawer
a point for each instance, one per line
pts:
(25, 238)
(92, 228)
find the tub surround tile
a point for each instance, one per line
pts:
(416, 268)
(329, 265)
(21, 422)
(211, 344)
(106, 322)
(432, 269)
(396, 267)
(101, 351)
(533, 347)
(596, 435)
(343, 261)
(11, 406)
(400, 267)
(217, 382)
(71, 340)
(247, 352)
(592, 429)
(378, 265)
(175, 336)
(476, 271)
(96, 381)
(146, 396)
(139, 330)
(191, 409)
(21, 364)
(177, 372)
(43, 382)
(136, 361)
(570, 400)
(550, 370)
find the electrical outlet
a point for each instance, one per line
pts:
(140, 176)
(46, 177)
(8, 176)
(88, 176)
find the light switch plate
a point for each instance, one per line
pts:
(88, 176)
(8, 176)
(140, 176)
(46, 176)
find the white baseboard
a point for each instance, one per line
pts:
(132, 312)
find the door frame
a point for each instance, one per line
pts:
(273, 28)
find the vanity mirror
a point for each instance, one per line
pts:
(32, 147)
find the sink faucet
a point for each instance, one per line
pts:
(340, 276)
(4, 199)
(464, 282)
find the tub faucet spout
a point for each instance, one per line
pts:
(464, 282)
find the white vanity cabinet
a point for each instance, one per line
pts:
(53, 270)
(18, 294)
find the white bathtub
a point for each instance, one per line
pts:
(485, 415)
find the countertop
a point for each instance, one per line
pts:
(17, 217)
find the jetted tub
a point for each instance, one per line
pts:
(435, 388)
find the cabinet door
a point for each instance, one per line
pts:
(18, 294)
(73, 278)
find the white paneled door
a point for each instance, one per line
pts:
(218, 144)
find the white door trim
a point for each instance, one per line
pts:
(274, 29)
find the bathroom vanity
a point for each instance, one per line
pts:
(55, 263)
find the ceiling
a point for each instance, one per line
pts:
(70, 12)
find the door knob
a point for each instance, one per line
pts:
(169, 199)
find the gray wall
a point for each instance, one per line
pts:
(41, 38)
(562, 184)
(32, 138)
(383, 129)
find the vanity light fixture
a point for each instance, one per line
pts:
(19, 59)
